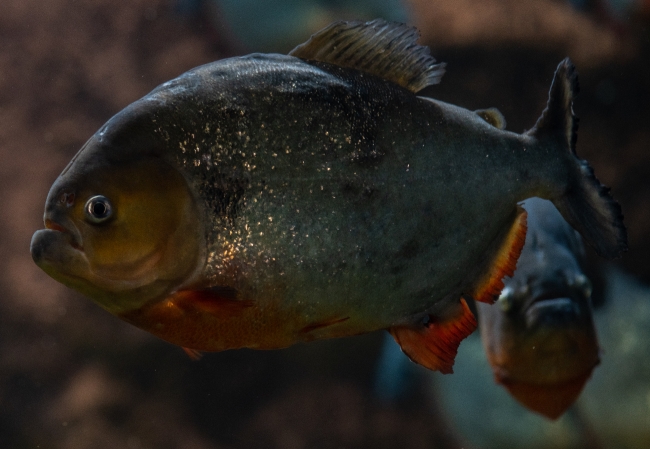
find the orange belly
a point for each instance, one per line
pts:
(215, 324)
(204, 321)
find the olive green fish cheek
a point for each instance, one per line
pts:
(134, 225)
(155, 227)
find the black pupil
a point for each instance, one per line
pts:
(99, 209)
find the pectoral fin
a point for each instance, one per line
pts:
(435, 344)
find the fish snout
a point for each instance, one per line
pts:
(57, 221)
(59, 200)
(57, 215)
(66, 198)
(571, 284)
(54, 250)
(39, 246)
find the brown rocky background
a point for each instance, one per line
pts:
(71, 376)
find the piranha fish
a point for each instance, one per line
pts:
(266, 200)
(540, 337)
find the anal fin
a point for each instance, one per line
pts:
(504, 262)
(550, 400)
(435, 345)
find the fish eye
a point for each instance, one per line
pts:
(506, 299)
(98, 209)
(584, 285)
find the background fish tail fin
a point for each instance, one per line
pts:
(586, 204)
(589, 208)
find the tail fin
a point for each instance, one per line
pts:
(586, 204)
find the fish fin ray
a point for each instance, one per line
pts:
(585, 204)
(489, 286)
(213, 301)
(557, 117)
(493, 116)
(435, 345)
(388, 50)
(193, 354)
(550, 400)
(589, 208)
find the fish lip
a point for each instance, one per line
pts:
(550, 295)
(551, 311)
(49, 224)
(70, 231)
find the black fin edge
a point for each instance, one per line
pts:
(604, 230)
(558, 114)
(586, 204)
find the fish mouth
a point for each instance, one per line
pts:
(70, 232)
(553, 311)
(49, 224)
(57, 246)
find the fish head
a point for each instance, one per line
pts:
(543, 329)
(539, 336)
(548, 293)
(540, 339)
(121, 226)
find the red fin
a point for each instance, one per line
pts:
(504, 263)
(435, 345)
(215, 301)
(193, 354)
(550, 400)
(316, 326)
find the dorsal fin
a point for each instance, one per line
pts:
(388, 50)
(493, 116)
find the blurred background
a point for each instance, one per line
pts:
(72, 376)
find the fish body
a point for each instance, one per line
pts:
(540, 337)
(268, 199)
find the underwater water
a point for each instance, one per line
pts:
(73, 376)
